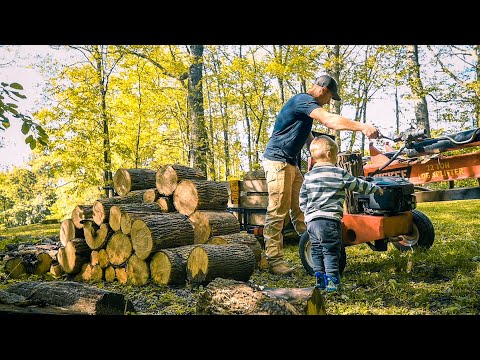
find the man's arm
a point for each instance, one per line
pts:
(338, 122)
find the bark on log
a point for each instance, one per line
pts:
(150, 196)
(116, 211)
(353, 163)
(239, 238)
(28, 261)
(192, 195)
(168, 266)
(138, 271)
(96, 236)
(166, 203)
(119, 248)
(82, 212)
(230, 297)
(212, 223)
(126, 180)
(74, 255)
(207, 262)
(73, 296)
(168, 177)
(69, 231)
(153, 233)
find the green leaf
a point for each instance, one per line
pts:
(16, 86)
(29, 139)
(11, 105)
(4, 84)
(26, 128)
(33, 144)
(21, 96)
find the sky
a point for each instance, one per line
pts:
(16, 153)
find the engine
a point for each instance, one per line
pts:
(397, 197)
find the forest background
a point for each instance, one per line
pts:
(105, 107)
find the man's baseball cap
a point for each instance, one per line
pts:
(330, 83)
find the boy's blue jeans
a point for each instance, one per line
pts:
(326, 241)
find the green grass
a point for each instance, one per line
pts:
(21, 233)
(442, 280)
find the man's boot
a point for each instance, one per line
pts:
(281, 269)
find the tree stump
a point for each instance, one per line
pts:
(168, 266)
(168, 177)
(192, 195)
(153, 233)
(207, 262)
(231, 297)
(126, 180)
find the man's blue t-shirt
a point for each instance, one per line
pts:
(291, 129)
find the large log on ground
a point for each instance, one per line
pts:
(72, 296)
(116, 211)
(96, 236)
(153, 233)
(74, 255)
(168, 177)
(207, 262)
(29, 260)
(69, 231)
(231, 297)
(211, 223)
(239, 238)
(169, 266)
(138, 271)
(119, 248)
(150, 196)
(192, 195)
(126, 180)
(82, 212)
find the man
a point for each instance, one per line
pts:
(291, 131)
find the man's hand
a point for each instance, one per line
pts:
(380, 191)
(370, 131)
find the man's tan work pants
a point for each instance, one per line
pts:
(283, 182)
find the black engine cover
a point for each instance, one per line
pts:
(397, 197)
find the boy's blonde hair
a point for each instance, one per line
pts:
(321, 145)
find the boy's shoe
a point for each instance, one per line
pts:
(331, 283)
(320, 280)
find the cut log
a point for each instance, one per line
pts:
(74, 255)
(56, 269)
(126, 180)
(90, 273)
(96, 236)
(28, 261)
(15, 267)
(101, 209)
(153, 233)
(239, 238)
(103, 259)
(121, 275)
(73, 296)
(116, 211)
(192, 195)
(207, 262)
(231, 297)
(94, 257)
(119, 248)
(212, 223)
(150, 196)
(109, 273)
(168, 177)
(169, 266)
(166, 203)
(69, 231)
(81, 212)
(138, 271)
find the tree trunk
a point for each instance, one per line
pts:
(82, 212)
(96, 236)
(212, 223)
(168, 266)
(168, 177)
(126, 180)
(119, 248)
(192, 195)
(233, 261)
(230, 297)
(153, 233)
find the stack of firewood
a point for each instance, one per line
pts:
(170, 226)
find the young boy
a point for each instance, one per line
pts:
(322, 196)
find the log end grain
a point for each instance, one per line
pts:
(197, 265)
(166, 180)
(141, 237)
(185, 198)
(160, 268)
(122, 182)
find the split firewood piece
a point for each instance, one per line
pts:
(82, 212)
(168, 177)
(207, 262)
(192, 195)
(96, 236)
(126, 180)
(150, 234)
(168, 266)
(231, 297)
(69, 231)
(211, 223)
(74, 255)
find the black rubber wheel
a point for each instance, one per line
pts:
(305, 252)
(422, 236)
